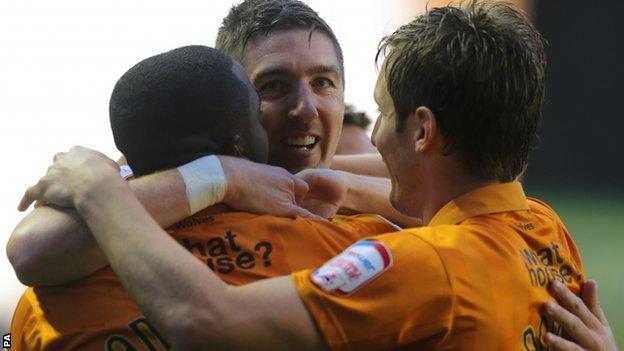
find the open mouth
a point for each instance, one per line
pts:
(306, 142)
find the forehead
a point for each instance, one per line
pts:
(296, 50)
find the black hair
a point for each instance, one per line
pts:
(480, 69)
(355, 118)
(177, 106)
(253, 18)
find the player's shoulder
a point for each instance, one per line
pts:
(439, 235)
(540, 207)
(451, 244)
(396, 257)
(421, 244)
(561, 233)
(371, 223)
(30, 296)
(547, 216)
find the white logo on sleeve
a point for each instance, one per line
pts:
(125, 172)
(353, 268)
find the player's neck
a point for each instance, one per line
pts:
(445, 187)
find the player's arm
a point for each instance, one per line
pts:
(342, 192)
(368, 164)
(266, 315)
(201, 309)
(186, 301)
(52, 245)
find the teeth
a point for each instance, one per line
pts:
(305, 141)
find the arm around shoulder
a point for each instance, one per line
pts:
(52, 245)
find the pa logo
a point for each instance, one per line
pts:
(6, 341)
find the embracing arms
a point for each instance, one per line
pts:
(40, 245)
(52, 245)
(48, 233)
(200, 309)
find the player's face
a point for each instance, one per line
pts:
(398, 152)
(298, 78)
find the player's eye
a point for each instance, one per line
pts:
(272, 87)
(323, 82)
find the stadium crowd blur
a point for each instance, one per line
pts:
(354, 138)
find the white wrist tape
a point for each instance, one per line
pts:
(205, 182)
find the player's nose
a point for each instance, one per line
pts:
(303, 106)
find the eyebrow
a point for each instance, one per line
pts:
(281, 71)
(271, 71)
(324, 69)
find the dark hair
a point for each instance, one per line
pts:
(355, 118)
(253, 18)
(480, 69)
(177, 106)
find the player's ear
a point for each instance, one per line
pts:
(234, 147)
(426, 129)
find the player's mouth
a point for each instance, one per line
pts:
(301, 142)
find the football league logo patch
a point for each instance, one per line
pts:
(353, 268)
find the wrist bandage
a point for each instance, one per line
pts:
(205, 182)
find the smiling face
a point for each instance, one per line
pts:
(297, 75)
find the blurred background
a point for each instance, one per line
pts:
(60, 60)
(578, 165)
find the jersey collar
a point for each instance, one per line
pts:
(495, 198)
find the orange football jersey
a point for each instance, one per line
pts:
(95, 313)
(474, 279)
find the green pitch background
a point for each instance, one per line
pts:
(595, 219)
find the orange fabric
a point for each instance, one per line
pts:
(474, 279)
(95, 313)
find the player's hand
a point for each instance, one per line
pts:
(71, 177)
(581, 318)
(327, 191)
(263, 189)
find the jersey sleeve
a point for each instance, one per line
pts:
(380, 293)
(26, 331)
